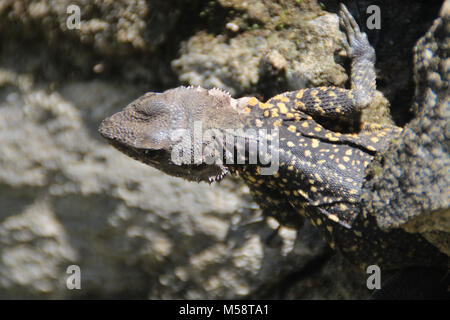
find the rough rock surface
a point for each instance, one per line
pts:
(205, 58)
(410, 188)
(68, 198)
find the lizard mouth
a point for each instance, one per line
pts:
(161, 160)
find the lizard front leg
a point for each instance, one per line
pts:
(338, 102)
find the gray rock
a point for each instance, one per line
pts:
(235, 64)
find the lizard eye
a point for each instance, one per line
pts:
(154, 108)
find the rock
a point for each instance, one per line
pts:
(234, 64)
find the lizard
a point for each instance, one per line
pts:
(314, 136)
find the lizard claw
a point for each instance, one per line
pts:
(357, 44)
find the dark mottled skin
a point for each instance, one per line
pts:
(323, 148)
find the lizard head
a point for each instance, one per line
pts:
(165, 130)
